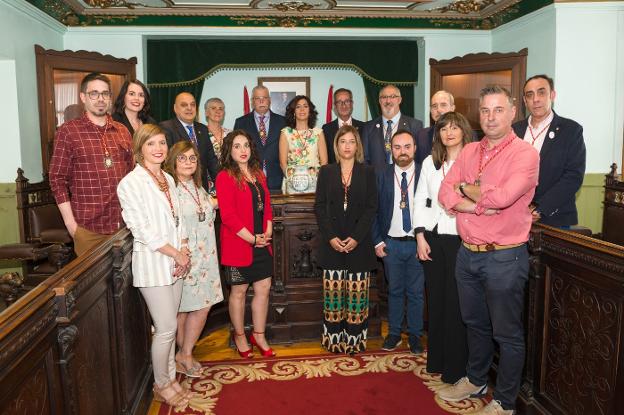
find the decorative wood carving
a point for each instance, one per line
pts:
(613, 213)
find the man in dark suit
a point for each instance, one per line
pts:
(377, 133)
(184, 127)
(562, 154)
(343, 108)
(441, 103)
(264, 126)
(393, 236)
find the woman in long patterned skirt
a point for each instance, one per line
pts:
(346, 202)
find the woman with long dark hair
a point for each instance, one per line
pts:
(302, 145)
(437, 245)
(246, 232)
(132, 107)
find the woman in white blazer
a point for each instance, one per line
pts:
(160, 258)
(437, 244)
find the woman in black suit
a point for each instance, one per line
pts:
(346, 203)
(132, 106)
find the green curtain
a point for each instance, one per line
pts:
(174, 66)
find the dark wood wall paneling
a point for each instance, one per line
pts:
(79, 342)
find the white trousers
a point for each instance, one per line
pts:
(163, 304)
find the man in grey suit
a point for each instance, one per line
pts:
(264, 126)
(343, 108)
(377, 133)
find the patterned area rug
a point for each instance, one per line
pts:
(368, 383)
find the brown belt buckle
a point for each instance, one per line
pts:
(489, 247)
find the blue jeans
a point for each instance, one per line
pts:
(405, 280)
(491, 298)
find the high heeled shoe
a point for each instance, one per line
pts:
(175, 400)
(245, 354)
(265, 353)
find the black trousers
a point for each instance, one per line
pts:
(447, 351)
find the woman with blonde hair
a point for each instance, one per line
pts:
(202, 285)
(346, 203)
(160, 256)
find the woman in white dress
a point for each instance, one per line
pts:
(160, 256)
(202, 285)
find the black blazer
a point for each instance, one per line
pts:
(373, 138)
(385, 190)
(122, 118)
(356, 222)
(175, 131)
(424, 144)
(329, 131)
(561, 170)
(270, 151)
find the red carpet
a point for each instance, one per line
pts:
(370, 383)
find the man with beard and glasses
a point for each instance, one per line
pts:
(377, 133)
(393, 236)
(91, 155)
(343, 108)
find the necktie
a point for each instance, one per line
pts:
(407, 224)
(192, 135)
(262, 130)
(387, 140)
(263, 139)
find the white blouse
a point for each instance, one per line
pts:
(428, 215)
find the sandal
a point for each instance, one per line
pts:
(193, 372)
(174, 400)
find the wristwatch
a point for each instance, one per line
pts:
(461, 188)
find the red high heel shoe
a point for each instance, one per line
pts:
(265, 353)
(246, 354)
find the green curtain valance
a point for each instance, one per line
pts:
(174, 66)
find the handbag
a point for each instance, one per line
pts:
(233, 276)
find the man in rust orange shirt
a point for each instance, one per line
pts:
(91, 155)
(489, 188)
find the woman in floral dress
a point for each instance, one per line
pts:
(302, 148)
(202, 285)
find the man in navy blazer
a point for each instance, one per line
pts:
(263, 117)
(184, 127)
(441, 103)
(343, 108)
(376, 134)
(395, 243)
(562, 154)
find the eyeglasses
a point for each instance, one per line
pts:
(182, 158)
(93, 95)
(389, 96)
(345, 102)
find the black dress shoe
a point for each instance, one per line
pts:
(415, 345)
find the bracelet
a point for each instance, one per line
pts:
(255, 241)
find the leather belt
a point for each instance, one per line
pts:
(406, 238)
(489, 247)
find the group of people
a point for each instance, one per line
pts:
(441, 210)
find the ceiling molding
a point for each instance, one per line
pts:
(435, 14)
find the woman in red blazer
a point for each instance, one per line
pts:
(246, 230)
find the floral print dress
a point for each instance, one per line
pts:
(303, 156)
(202, 285)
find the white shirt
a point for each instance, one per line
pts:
(428, 187)
(348, 122)
(396, 225)
(540, 135)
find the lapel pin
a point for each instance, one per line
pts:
(377, 125)
(551, 135)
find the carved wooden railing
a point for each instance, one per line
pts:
(575, 325)
(79, 342)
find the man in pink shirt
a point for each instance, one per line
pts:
(489, 188)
